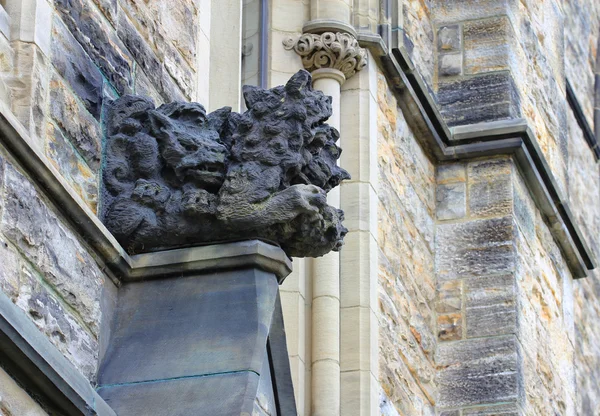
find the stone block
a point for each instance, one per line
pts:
(77, 124)
(511, 409)
(491, 198)
(30, 22)
(479, 99)
(475, 248)
(450, 64)
(449, 38)
(16, 401)
(490, 306)
(487, 45)
(73, 168)
(7, 55)
(74, 65)
(9, 270)
(29, 91)
(146, 88)
(148, 60)
(449, 296)
(109, 9)
(99, 40)
(42, 238)
(450, 327)
(450, 173)
(360, 397)
(489, 169)
(358, 339)
(358, 262)
(4, 23)
(477, 372)
(449, 413)
(448, 11)
(451, 201)
(57, 322)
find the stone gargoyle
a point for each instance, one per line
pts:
(175, 176)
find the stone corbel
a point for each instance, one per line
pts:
(329, 54)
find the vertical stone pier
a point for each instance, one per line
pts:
(199, 331)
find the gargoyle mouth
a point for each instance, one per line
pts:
(206, 173)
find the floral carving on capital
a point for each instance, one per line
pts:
(339, 51)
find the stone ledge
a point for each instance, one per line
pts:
(28, 355)
(119, 265)
(513, 137)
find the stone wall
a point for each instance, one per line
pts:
(85, 53)
(61, 62)
(407, 326)
(48, 271)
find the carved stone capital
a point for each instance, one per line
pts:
(338, 51)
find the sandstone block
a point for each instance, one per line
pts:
(489, 169)
(490, 306)
(109, 9)
(74, 169)
(148, 61)
(16, 401)
(483, 98)
(82, 130)
(499, 410)
(478, 371)
(449, 296)
(99, 40)
(450, 64)
(54, 320)
(475, 248)
(9, 270)
(487, 45)
(45, 241)
(449, 39)
(449, 173)
(451, 201)
(491, 198)
(6, 55)
(74, 65)
(450, 327)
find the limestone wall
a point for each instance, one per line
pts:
(407, 323)
(86, 52)
(61, 62)
(48, 271)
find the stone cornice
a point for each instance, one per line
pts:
(339, 51)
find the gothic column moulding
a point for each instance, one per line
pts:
(332, 58)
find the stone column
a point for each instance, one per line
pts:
(332, 58)
(199, 331)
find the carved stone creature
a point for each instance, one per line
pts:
(174, 176)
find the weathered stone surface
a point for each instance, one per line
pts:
(40, 236)
(174, 176)
(450, 327)
(77, 124)
(168, 28)
(490, 306)
(9, 269)
(99, 40)
(499, 410)
(14, 400)
(480, 371)
(407, 323)
(148, 60)
(109, 9)
(29, 91)
(73, 168)
(475, 248)
(450, 38)
(482, 98)
(450, 173)
(451, 201)
(74, 65)
(489, 198)
(450, 64)
(449, 296)
(52, 317)
(487, 45)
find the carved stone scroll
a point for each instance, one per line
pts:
(329, 50)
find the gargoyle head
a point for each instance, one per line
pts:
(189, 144)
